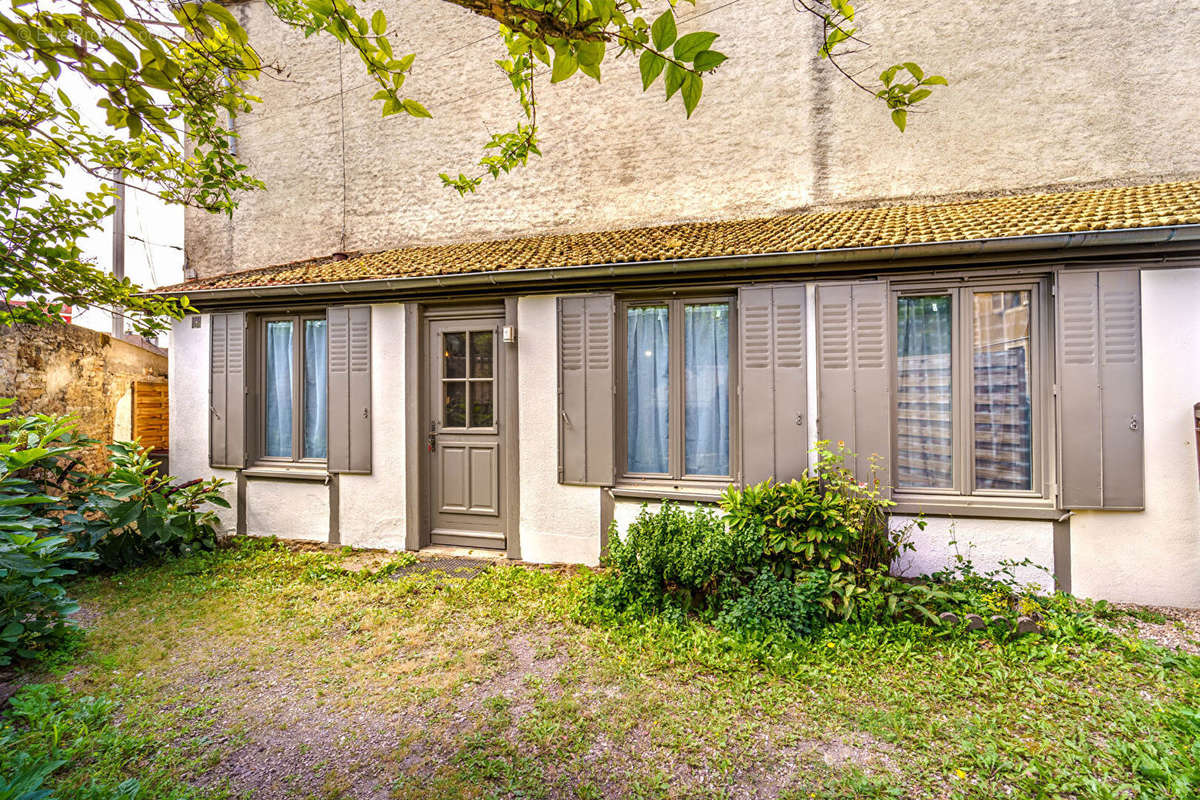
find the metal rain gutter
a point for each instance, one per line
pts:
(841, 256)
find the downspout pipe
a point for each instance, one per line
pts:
(890, 254)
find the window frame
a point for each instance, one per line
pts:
(963, 491)
(297, 458)
(676, 440)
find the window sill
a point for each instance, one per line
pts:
(698, 495)
(958, 507)
(287, 473)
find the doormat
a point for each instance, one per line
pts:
(451, 567)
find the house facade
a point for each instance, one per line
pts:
(996, 310)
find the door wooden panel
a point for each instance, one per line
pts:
(464, 369)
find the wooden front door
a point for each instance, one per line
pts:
(464, 436)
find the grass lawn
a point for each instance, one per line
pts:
(267, 672)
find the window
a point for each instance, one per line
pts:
(677, 396)
(967, 405)
(467, 360)
(294, 388)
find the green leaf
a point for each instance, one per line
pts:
(693, 85)
(675, 78)
(378, 22)
(565, 65)
(707, 60)
(692, 44)
(590, 54)
(415, 109)
(591, 70)
(109, 9)
(918, 95)
(651, 64)
(916, 71)
(933, 80)
(900, 118)
(663, 31)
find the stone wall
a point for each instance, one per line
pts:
(1078, 97)
(68, 369)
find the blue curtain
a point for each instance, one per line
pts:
(277, 395)
(706, 389)
(648, 393)
(316, 396)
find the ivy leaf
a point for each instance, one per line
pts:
(708, 60)
(693, 43)
(663, 30)
(900, 118)
(651, 65)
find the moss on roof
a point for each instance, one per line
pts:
(1119, 208)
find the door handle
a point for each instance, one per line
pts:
(432, 442)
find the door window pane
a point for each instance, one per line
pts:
(482, 414)
(706, 389)
(648, 391)
(316, 397)
(277, 391)
(454, 404)
(924, 409)
(481, 354)
(1002, 407)
(454, 353)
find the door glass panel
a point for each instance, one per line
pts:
(454, 354)
(1002, 408)
(277, 390)
(316, 397)
(706, 389)
(924, 408)
(482, 354)
(454, 404)
(648, 392)
(482, 414)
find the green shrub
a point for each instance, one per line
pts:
(131, 514)
(36, 463)
(827, 521)
(774, 607)
(672, 558)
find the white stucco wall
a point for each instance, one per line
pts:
(372, 507)
(1154, 556)
(986, 542)
(287, 509)
(187, 373)
(558, 523)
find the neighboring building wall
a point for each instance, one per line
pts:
(1075, 98)
(189, 411)
(1153, 556)
(68, 369)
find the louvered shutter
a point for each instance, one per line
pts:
(227, 391)
(773, 382)
(1100, 389)
(349, 359)
(854, 373)
(585, 390)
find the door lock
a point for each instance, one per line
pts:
(432, 442)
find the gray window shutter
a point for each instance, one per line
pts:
(854, 372)
(227, 391)
(1100, 389)
(773, 384)
(349, 447)
(586, 388)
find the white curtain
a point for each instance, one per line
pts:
(316, 396)
(647, 359)
(277, 395)
(706, 389)
(924, 421)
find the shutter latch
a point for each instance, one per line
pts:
(1133, 423)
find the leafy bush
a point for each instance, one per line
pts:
(131, 514)
(770, 606)
(672, 558)
(826, 521)
(35, 456)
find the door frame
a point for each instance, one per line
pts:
(418, 413)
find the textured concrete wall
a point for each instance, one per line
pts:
(1080, 96)
(1153, 556)
(67, 369)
